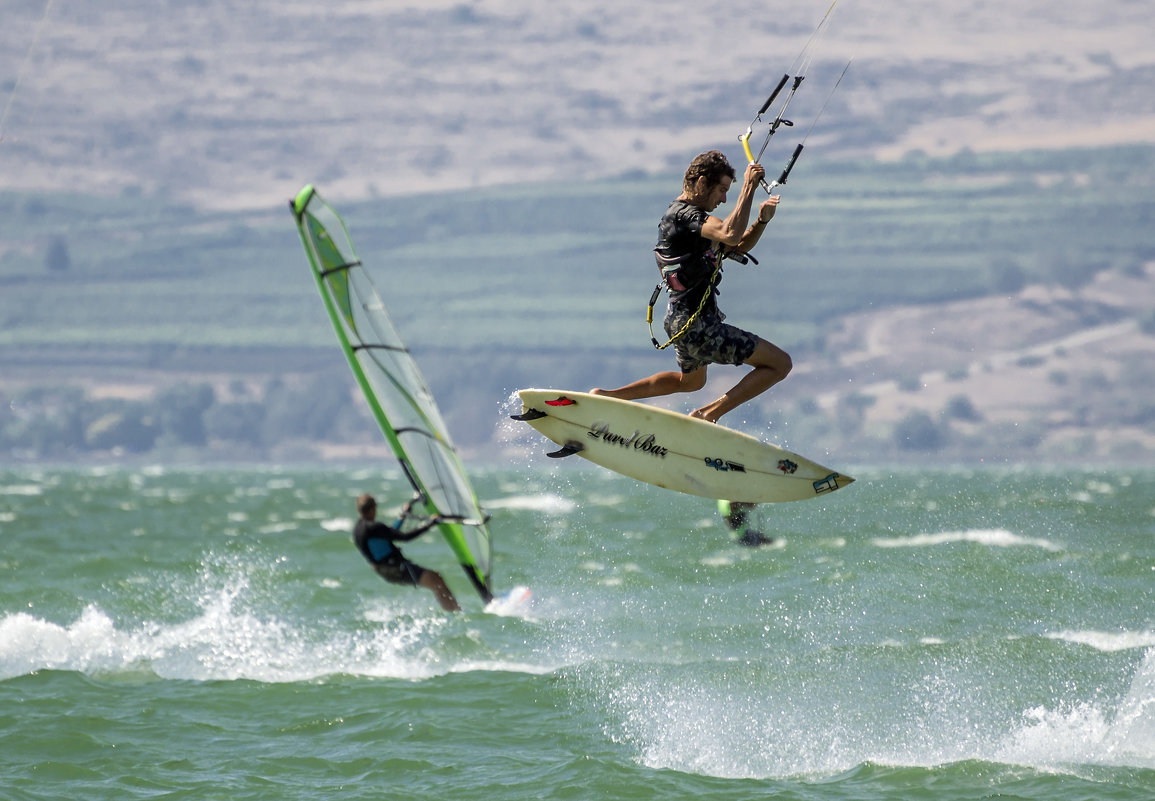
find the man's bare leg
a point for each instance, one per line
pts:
(666, 383)
(432, 580)
(771, 364)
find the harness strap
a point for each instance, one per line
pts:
(693, 317)
(668, 268)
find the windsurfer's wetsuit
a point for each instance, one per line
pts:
(376, 542)
(690, 269)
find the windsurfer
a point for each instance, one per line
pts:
(377, 543)
(691, 244)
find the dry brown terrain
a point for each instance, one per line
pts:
(1072, 366)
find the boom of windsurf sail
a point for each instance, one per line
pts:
(393, 386)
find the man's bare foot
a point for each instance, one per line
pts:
(702, 415)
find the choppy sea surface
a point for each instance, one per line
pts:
(923, 634)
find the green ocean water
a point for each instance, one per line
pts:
(923, 634)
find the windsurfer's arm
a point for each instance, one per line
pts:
(433, 521)
(415, 533)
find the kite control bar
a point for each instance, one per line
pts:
(745, 138)
(799, 70)
(779, 120)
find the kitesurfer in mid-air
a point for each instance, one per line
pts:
(691, 244)
(377, 543)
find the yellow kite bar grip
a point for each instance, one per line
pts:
(745, 140)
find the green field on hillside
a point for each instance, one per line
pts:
(523, 268)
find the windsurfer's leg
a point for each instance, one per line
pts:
(431, 580)
(665, 383)
(771, 364)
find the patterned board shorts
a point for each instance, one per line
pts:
(709, 340)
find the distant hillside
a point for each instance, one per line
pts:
(992, 306)
(564, 267)
(1063, 373)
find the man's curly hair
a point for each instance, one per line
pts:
(711, 165)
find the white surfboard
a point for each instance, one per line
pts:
(672, 450)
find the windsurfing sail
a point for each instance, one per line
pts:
(393, 386)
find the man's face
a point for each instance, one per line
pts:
(715, 195)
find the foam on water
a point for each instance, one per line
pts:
(342, 524)
(1089, 733)
(1108, 641)
(995, 538)
(735, 732)
(550, 503)
(22, 489)
(226, 641)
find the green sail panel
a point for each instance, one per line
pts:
(393, 386)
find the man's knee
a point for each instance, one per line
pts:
(692, 382)
(772, 356)
(787, 364)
